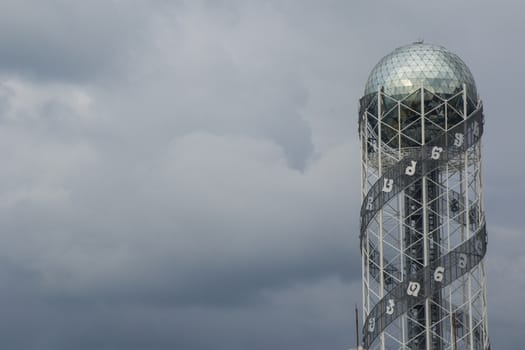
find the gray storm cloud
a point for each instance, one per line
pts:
(186, 175)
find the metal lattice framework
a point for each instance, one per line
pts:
(423, 235)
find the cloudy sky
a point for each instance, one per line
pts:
(184, 174)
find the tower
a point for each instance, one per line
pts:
(422, 232)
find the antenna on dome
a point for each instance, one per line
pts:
(419, 41)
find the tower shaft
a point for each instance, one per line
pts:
(423, 236)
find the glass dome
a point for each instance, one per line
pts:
(409, 67)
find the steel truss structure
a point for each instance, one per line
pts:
(423, 237)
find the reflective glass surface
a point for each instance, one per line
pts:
(410, 67)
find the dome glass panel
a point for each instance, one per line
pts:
(407, 68)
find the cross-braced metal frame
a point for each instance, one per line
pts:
(423, 236)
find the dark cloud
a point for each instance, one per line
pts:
(186, 175)
(69, 41)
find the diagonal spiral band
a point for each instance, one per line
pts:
(445, 269)
(471, 128)
(420, 286)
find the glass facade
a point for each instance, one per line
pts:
(410, 67)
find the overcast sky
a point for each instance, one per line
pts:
(185, 175)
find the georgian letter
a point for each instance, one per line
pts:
(479, 246)
(436, 152)
(475, 129)
(411, 169)
(459, 138)
(390, 307)
(462, 261)
(371, 324)
(438, 274)
(413, 288)
(369, 203)
(388, 185)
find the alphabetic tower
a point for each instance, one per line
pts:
(423, 237)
